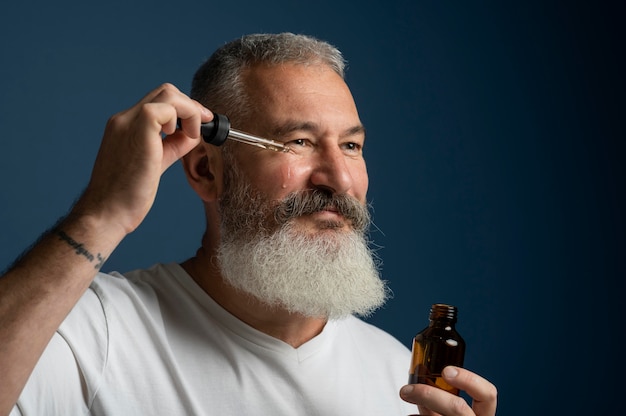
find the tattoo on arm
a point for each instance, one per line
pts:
(80, 249)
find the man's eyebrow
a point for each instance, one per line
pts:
(291, 126)
(354, 131)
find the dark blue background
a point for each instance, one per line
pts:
(495, 149)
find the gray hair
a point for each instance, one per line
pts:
(218, 83)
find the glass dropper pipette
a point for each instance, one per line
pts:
(216, 132)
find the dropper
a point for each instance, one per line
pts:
(216, 132)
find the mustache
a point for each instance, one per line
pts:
(308, 202)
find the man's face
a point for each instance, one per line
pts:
(293, 224)
(311, 109)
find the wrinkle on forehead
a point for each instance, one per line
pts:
(291, 126)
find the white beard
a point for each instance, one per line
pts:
(327, 277)
(328, 274)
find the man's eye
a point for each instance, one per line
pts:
(297, 142)
(352, 146)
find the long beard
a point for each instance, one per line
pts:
(328, 274)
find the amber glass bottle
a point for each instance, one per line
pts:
(436, 347)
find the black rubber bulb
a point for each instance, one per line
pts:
(216, 131)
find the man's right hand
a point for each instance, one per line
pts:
(134, 154)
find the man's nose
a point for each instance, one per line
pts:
(332, 172)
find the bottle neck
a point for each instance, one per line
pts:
(443, 314)
(441, 323)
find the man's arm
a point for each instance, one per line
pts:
(38, 292)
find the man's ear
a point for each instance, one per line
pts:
(203, 168)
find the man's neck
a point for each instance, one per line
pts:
(293, 329)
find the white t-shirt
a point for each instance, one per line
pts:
(154, 343)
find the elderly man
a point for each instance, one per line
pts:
(262, 319)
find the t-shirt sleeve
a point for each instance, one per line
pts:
(55, 385)
(70, 370)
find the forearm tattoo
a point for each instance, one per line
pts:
(80, 249)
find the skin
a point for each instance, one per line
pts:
(40, 290)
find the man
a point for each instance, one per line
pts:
(260, 319)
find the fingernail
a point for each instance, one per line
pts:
(206, 111)
(406, 390)
(450, 372)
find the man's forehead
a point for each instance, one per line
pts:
(291, 98)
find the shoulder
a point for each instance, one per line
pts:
(137, 287)
(111, 301)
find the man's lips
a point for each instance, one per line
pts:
(328, 213)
